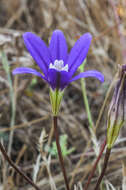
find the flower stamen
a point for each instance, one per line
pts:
(59, 65)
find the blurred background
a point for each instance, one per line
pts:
(25, 112)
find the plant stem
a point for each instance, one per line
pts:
(83, 87)
(6, 67)
(90, 120)
(95, 165)
(60, 152)
(107, 155)
(16, 168)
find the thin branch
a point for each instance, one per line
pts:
(16, 168)
(95, 165)
(107, 155)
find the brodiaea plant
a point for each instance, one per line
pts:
(58, 68)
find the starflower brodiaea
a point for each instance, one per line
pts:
(57, 66)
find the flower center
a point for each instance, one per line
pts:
(59, 65)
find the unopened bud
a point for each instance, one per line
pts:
(117, 110)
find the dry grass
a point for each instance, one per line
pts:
(33, 111)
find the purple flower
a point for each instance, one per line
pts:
(57, 66)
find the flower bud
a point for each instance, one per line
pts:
(117, 109)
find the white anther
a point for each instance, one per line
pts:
(59, 65)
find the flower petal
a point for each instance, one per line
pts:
(91, 73)
(64, 79)
(25, 70)
(58, 46)
(79, 52)
(58, 79)
(38, 50)
(52, 78)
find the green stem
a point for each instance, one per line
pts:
(12, 98)
(90, 120)
(84, 92)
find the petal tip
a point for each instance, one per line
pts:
(88, 36)
(28, 35)
(57, 31)
(100, 76)
(102, 79)
(14, 72)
